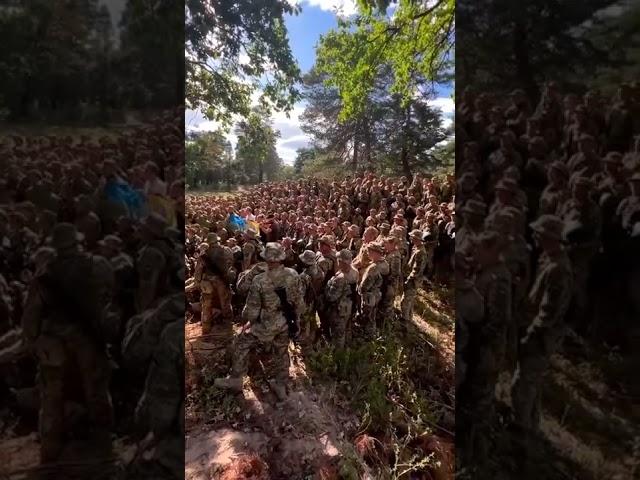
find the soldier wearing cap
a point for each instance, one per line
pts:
(61, 323)
(311, 284)
(250, 250)
(155, 260)
(370, 286)
(488, 341)
(549, 298)
(266, 324)
(414, 274)
(326, 260)
(340, 294)
(473, 213)
(392, 281)
(583, 228)
(556, 193)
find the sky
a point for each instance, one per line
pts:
(317, 17)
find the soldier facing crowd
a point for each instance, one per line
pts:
(316, 260)
(549, 199)
(91, 281)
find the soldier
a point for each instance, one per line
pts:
(326, 260)
(219, 272)
(161, 407)
(582, 218)
(415, 272)
(312, 282)
(63, 312)
(341, 297)
(469, 311)
(556, 193)
(155, 262)
(250, 250)
(548, 301)
(473, 213)
(370, 286)
(391, 283)
(266, 322)
(488, 341)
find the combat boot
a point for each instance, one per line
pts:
(229, 383)
(279, 389)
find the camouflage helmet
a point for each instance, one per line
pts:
(548, 225)
(274, 252)
(308, 257)
(64, 236)
(416, 234)
(345, 256)
(376, 247)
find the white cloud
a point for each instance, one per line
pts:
(345, 8)
(291, 136)
(445, 104)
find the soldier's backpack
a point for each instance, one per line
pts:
(76, 286)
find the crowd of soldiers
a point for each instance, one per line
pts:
(315, 260)
(91, 292)
(550, 200)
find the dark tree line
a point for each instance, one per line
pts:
(64, 60)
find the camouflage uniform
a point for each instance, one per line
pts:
(370, 292)
(311, 283)
(549, 298)
(415, 268)
(214, 287)
(327, 264)
(267, 325)
(161, 407)
(391, 284)
(340, 293)
(469, 312)
(250, 251)
(63, 311)
(487, 350)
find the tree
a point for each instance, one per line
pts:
(416, 43)
(151, 49)
(219, 81)
(320, 120)
(390, 134)
(256, 150)
(520, 44)
(208, 159)
(304, 156)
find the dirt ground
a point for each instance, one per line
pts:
(314, 434)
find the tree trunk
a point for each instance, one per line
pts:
(404, 153)
(524, 72)
(355, 154)
(404, 159)
(260, 171)
(367, 145)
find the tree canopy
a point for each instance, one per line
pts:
(61, 60)
(416, 42)
(235, 48)
(521, 44)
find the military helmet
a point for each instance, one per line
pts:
(345, 256)
(308, 257)
(64, 235)
(274, 252)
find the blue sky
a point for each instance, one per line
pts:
(317, 17)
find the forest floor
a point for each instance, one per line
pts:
(378, 410)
